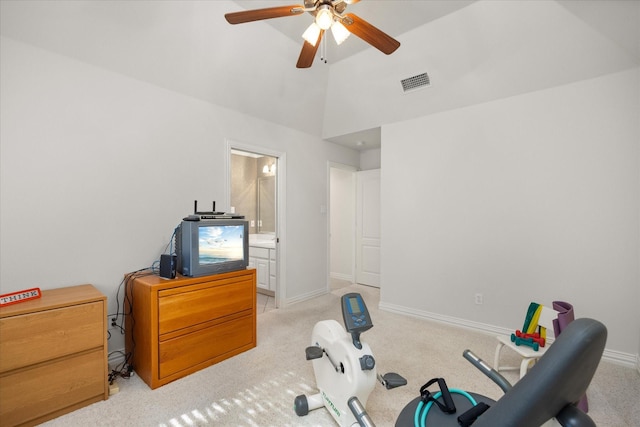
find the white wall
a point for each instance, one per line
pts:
(97, 169)
(370, 159)
(528, 198)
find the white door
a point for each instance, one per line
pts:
(368, 228)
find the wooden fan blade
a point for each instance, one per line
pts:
(372, 35)
(267, 13)
(308, 52)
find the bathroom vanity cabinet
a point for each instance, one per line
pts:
(263, 259)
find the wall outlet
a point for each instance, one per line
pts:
(479, 299)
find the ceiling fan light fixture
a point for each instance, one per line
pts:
(326, 14)
(311, 34)
(324, 17)
(340, 32)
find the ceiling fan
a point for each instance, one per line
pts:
(327, 14)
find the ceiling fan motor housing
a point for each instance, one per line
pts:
(337, 6)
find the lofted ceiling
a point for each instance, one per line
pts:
(504, 48)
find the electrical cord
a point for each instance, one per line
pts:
(125, 369)
(153, 269)
(169, 249)
(122, 370)
(119, 315)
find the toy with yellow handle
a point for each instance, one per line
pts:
(531, 319)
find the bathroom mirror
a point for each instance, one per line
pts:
(253, 190)
(266, 204)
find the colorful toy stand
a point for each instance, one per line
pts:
(538, 319)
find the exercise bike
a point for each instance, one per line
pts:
(344, 367)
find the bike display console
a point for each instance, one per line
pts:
(356, 316)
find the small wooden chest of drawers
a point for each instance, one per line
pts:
(53, 355)
(179, 326)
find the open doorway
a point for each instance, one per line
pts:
(255, 190)
(354, 226)
(342, 223)
(368, 227)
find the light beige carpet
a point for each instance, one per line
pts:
(257, 388)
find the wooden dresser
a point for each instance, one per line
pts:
(179, 326)
(53, 355)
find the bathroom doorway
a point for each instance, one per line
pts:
(255, 190)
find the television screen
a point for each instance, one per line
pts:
(212, 246)
(220, 243)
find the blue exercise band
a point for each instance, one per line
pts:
(420, 417)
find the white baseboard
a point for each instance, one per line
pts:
(305, 297)
(455, 321)
(617, 357)
(341, 276)
(621, 358)
(116, 357)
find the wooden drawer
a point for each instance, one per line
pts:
(189, 350)
(27, 395)
(32, 338)
(177, 327)
(199, 304)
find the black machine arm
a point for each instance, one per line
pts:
(316, 352)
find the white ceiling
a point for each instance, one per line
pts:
(188, 47)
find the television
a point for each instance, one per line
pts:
(212, 246)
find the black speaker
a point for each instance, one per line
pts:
(168, 266)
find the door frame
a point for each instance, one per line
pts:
(353, 170)
(281, 181)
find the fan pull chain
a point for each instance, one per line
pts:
(323, 50)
